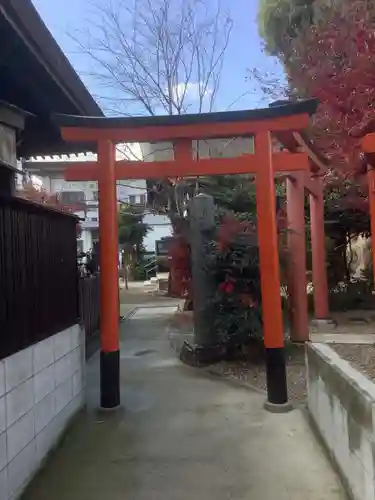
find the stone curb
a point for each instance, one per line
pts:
(234, 381)
(129, 313)
(210, 370)
(173, 335)
(213, 373)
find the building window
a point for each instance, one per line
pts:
(79, 246)
(69, 197)
(95, 195)
(132, 199)
(142, 199)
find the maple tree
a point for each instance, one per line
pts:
(331, 59)
(39, 195)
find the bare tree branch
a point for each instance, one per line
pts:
(270, 84)
(156, 56)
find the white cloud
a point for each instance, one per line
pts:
(191, 90)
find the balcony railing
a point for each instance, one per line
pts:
(90, 223)
(92, 203)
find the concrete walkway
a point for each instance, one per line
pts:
(181, 436)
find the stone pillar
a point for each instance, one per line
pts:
(202, 223)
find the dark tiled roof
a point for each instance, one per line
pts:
(35, 76)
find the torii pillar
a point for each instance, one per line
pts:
(371, 197)
(295, 205)
(270, 278)
(109, 299)
(319, 269)
(296, 184)
(368, 146)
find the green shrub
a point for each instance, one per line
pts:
(139, 272)
(281, 20)
(233, 263)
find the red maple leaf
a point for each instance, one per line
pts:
(334, 61)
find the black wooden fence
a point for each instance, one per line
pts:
(38, 273)
(89, 304)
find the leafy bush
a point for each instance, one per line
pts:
(139, 272)
(233, 263)
(179, 266)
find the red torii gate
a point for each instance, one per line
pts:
(368, 146)
(181, 130)
(297, 185)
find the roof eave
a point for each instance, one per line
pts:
(25, 20)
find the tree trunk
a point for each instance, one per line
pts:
(126, 277)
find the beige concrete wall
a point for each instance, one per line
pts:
(341, 402)
(41, 388)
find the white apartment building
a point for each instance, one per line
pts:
(83, 197)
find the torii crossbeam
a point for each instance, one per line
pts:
(182, 130)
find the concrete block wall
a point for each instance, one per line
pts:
(41, 388)
(341, 402)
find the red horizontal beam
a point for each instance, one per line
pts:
(292, 123)
(246, 164)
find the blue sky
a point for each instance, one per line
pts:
(245, 49)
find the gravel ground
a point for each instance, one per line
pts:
(254, 373)
(361, 357)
